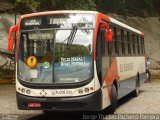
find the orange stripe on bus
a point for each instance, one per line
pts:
(111, 75)
(99, 16)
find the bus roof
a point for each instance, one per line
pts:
(112, 20)
(125, 26)
(58, 12)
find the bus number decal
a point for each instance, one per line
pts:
(62, 92)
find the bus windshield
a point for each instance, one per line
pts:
(56, 54)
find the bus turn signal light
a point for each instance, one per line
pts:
(34, 105)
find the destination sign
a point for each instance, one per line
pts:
(32, 22)
(59, 21)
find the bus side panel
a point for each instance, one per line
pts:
(141, 68)
(110, 73)
(126, 86)
(128, 69)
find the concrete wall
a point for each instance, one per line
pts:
(6, 20)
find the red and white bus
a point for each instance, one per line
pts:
(75, 61)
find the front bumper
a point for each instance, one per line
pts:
(91, 102)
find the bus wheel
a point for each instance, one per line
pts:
(114, 97)
(136, 91)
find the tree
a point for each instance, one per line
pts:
(43, 5)
(77, 4)
(27, 5)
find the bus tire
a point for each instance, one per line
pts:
(114, 101)
(136, 91)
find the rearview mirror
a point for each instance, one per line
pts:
(10, 37)
(108, 34)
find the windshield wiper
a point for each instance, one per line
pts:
(71, 36)
(41, 39)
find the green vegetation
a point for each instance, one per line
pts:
(124, 7)
(24, 6)
(27, 5)
(77, 5)
(129, 7)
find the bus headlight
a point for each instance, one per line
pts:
(28, 91)
(80, 91)
(91, 88)
(86, 90)
(23, 90)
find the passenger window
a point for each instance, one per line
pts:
(142, 45)
(104, 43)
(115, 41)
(133, 41)
(138, 45)
(129, 43)
(122, 42)
(119, 41)
(125, 42)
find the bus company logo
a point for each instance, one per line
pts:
(43, 93)
(53, 93)
(126, 67)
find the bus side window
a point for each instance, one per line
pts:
(105, 45)
(116, 47)
(110, 48)
(142, 45)
(119, 41)
(103, 41)
(106, 48)
(112, 44)
(133, 43)
(138, 45)
(140, 48)
(122, 42)
(129, 43)
(125, 43)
